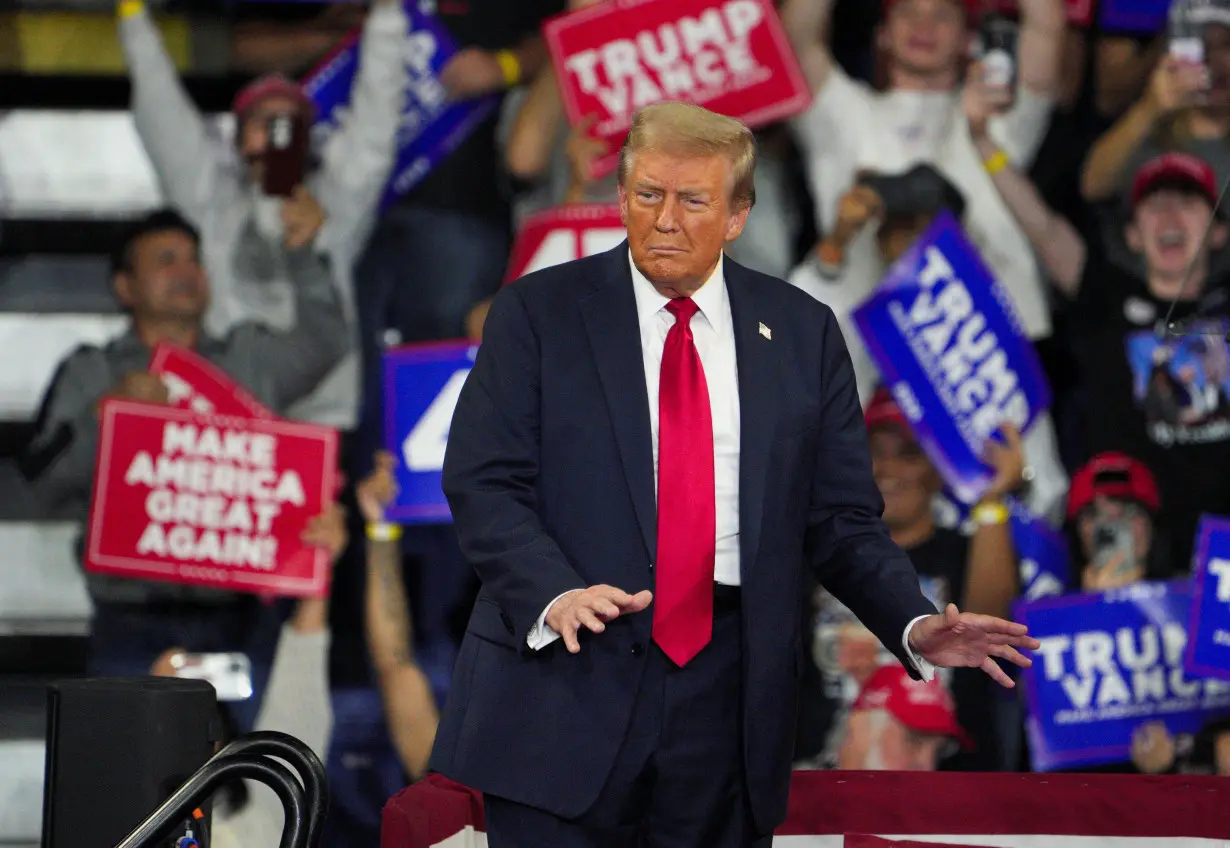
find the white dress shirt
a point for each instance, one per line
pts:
(714, 333)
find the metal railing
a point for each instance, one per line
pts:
(305, 802)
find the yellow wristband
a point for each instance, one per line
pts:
(382, 531)
(128, 8)
(991, 514)
(510, 65)
(996, 162)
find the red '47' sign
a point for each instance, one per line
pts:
(559, 235)
(214, 501)
(730, 56)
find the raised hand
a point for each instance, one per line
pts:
(1176, 83)
(953, 639)
(379, 489)
(1008, 460)
(302, 218)
(591, 608)
(981, 102)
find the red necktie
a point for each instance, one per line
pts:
(687, 512)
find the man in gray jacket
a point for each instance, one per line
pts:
(159, 279)
(219, 189)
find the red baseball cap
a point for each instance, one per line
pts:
(883, 411)
(1175, 169)
(1113, 475)
(922, 706)
(271, 85)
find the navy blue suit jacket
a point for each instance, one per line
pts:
(549, 474)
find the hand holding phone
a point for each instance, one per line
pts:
(285, 159)
(230, 674)
(997, 52)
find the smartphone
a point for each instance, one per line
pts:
(1113, 542)
(997, 51)
(230, 674)
(1185, 30)
(285, 158)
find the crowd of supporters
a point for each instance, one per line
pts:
(1091, 188)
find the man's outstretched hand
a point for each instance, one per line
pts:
(954, 639)
(592, 608)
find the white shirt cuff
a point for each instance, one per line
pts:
(542, 634)
(925, 669)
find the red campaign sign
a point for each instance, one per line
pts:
(730, 56)
(211, 501)
(195, 383)
(562, 234)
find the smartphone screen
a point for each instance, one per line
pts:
(230, 674)
(1114, 546)
(285, 157)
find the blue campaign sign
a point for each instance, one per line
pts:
(950, 346)
(432, 126)
(421, 385)
(1144, 16)
(1042, 553)
(1109, 663)
(1208, 652)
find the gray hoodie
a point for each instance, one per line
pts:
(278, 367)
(240, 228)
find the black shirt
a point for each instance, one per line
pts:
(941, 563)
(1162, 397)
(471, 179)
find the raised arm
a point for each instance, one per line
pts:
(297, 359)
(848, 546)
(536, 129)
(1053, 238)
(1021, 129)
(1170, 87)
(186, 159)
(807, 26)
(540, 121)
(991, 580)
(491, 472)
(1043, 28)
(359, 156)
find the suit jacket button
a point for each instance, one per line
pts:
(637, 649)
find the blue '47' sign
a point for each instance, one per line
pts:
(421, 386)
(948, 341)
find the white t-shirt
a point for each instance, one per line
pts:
(850, 127)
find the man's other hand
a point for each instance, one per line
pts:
(592, 608)
(140, 386)
(302, 218)
(328, 531)
(954, 639)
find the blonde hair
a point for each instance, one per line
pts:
(686, 129)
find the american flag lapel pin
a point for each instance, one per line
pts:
(766, 332)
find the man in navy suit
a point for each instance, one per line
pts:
(653, 444)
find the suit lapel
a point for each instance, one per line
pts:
(609, 315)
(758, 407)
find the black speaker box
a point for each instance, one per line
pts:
(116, 749)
